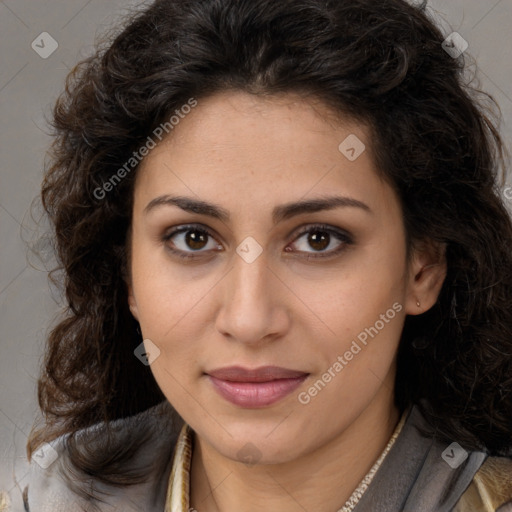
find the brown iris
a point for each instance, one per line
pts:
(196, 239)
(319, 242)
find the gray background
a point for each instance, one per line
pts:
(29, 85)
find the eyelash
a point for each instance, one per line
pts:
(340, 235)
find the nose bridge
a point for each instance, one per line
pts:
(250, 282)
(248, 310)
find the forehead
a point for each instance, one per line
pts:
(259, 151)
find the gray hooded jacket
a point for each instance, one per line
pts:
(419, 474)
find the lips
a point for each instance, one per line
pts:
(263, 374)
(257, 387)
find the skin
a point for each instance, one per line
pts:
(248, 155)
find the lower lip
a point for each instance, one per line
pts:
(255, 394)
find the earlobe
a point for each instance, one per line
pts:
(427, 274)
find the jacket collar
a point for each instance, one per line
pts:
(418, 472)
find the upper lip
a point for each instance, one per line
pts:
(261, 374)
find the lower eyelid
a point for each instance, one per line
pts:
(343, 238)
(344, 242)
(168, 237)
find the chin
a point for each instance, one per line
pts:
(254, 445)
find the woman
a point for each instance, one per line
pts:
(288, 268)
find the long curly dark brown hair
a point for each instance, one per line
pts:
(434, 138)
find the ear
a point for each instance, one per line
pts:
(127, 276)
(427, 271)
(132, 303)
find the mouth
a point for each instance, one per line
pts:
(255, 388)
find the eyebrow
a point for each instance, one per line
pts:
(279, 213)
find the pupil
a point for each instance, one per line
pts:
(319, 242)
(195, 239)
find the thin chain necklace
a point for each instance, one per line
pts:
(365, 482)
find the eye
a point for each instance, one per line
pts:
(190, 239)
(320, 237)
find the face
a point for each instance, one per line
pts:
(297, 262)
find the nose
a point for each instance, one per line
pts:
(253, 308)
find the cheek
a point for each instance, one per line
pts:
(360, 315)
(163, 291)
(356, 293)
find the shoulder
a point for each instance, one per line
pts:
(490, 489)
(147, 441)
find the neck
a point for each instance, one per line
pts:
(323, 479)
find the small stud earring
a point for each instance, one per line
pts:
(418, 303)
